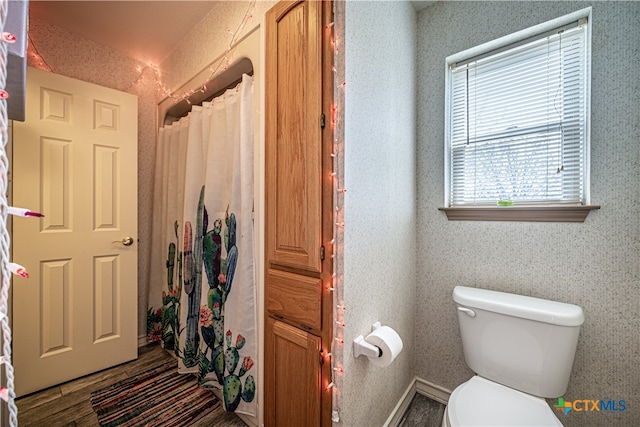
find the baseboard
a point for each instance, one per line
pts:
(142, 341)
(418, 385)
(401, 407)
(432, 391)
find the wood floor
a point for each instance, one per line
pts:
(423, 412)
(68, 405)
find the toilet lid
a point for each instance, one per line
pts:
(480, 402)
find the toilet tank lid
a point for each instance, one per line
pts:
(541, 310)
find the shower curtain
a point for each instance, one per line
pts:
(202, 289)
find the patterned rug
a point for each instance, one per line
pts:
(160, 397)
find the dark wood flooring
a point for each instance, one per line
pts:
(68, 405)
(423, 412)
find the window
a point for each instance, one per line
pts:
(517, 129)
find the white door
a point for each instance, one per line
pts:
(75, 161)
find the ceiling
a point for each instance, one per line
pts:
(147, 30)
(144, 30)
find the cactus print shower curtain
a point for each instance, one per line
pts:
(202, 292)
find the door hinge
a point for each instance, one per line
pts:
(322, 121)
(322, 253)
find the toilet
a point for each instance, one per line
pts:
(521, 349)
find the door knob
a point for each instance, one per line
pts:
(127, 241)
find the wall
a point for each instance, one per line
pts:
(69, 55)
(594, 264)
(379, 207)
(210, 39)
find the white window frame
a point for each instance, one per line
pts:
(500, 44)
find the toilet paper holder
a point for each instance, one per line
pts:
(362, 348)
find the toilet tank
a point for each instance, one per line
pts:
(522, 342)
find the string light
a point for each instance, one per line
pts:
(223, 64)
(9, 38)
(18, 270)
(23, 212)
(339, 192)
(6, 393)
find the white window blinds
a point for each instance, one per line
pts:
(517, 122)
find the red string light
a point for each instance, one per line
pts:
(9, 38)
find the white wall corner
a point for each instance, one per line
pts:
(432, 391)
(401, 407)
(423, 387)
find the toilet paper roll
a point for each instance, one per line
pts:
(388, 341)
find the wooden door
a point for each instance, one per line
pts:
(75, 160)
(299, 214)
(294, 376)
(294, 135)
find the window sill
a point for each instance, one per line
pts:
(549, 213)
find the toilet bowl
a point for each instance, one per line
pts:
(521, 349)
(480, 402)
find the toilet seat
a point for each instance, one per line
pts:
(480, 402)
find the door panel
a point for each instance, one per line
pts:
(293, 379)
(293, 143)
(75, 161)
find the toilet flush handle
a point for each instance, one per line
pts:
(467, 311)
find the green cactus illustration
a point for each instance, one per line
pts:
(192, 271)
(171, 300)
(232, 388)
(219, 356)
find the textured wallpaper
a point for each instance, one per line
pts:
(210, 38)
(379, 207)
(595, 264)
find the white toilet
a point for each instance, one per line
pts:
(521, 349)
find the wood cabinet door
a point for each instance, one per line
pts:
(292, 391)
(293, 145)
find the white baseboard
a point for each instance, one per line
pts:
(418, 385)
(142, 341)
(432, 391)
(401, 407)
